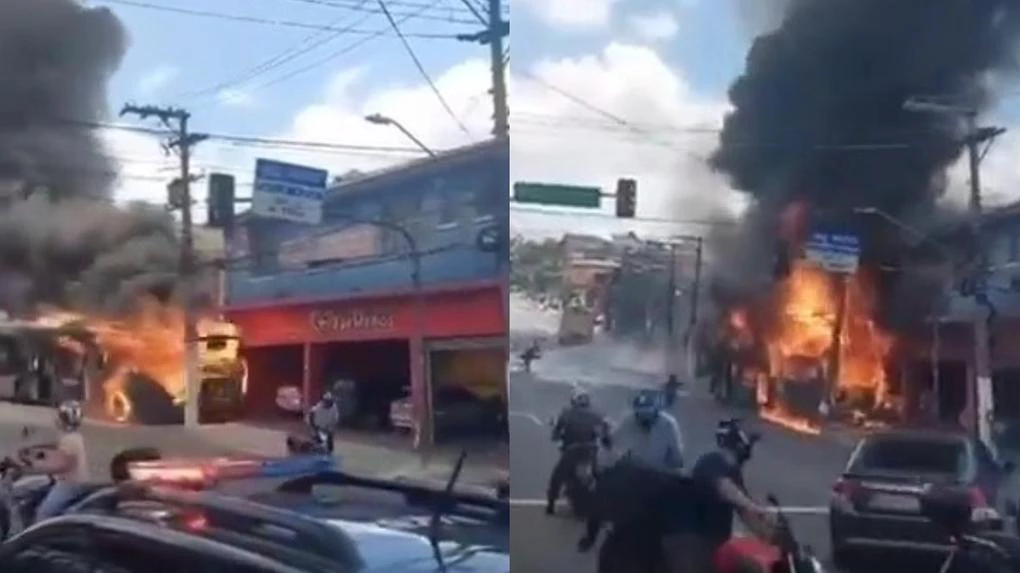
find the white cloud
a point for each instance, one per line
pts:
(236, 98)
(155, 80)
(556, 140)
(654, 26)
(583, 15)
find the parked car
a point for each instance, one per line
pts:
(876, 503)
(455, 409)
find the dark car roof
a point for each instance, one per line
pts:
(931, 435)
(145, 532)
(392, 533)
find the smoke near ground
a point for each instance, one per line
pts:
(818, 113)
(61, 238)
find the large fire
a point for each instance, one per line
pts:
(148, 343)
(800, 352)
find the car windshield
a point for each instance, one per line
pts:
(911, 455)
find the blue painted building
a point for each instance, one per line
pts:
(336, 301)
(444, 202)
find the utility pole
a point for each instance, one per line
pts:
(699, 261)
(982, 397)
(671, 312)
(984, 401)
(496, 29)
(176, 119)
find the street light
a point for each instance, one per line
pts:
(916, 233)
(380, 119)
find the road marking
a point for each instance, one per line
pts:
(528, 416)
(791, 510)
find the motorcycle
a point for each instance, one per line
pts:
(314, 442)
(949, 509)
(581, 483)
(785, 555)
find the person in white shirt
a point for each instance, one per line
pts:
(66, 462)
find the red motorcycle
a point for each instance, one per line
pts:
(748, 554)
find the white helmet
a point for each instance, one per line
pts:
(580, 397)
(69, 414)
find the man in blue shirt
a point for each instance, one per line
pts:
(650, 436)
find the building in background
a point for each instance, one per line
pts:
(317, 305)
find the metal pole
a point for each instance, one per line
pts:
(671, 312)
(407, 133)
(695, 296)
(983, 399)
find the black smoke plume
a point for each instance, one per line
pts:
(62, 240)
(818, 113)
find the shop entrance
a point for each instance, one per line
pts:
(468, 382)
(370, 380)
(274, 381)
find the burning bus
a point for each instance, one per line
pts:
(129, 369)
(810, 348)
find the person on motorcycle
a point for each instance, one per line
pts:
(576, 428)
(650, 436)
(323, 419)
(649, 456)
(671, 388)
(530, 355)
(719, 476)
(66, 462)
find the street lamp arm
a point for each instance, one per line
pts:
(917, 234)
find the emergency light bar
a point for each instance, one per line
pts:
(208, 472)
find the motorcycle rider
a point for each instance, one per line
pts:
(650, 436)
(577, 426)
(323, 418)
(671, 388)
(66, 462)
(649, 453)
(719, 476)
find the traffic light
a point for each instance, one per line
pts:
(221, 200)
(781, 266)
(626, 198)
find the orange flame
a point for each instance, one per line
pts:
(149, 343)
(798, 337)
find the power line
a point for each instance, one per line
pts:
(308, 44)
(283, 23)
(346, 4)
(600, 215)
(421, 68)
(346, 49)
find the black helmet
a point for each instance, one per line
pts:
(731, 437)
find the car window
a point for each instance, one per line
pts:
(910, 455)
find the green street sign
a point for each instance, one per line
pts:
(558, 195)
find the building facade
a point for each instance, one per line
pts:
(340, 301)
(948, 345)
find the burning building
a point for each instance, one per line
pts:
(818, 131)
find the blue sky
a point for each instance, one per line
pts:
(575, 66)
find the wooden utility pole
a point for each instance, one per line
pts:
(183, 141)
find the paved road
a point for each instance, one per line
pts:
(798, 469)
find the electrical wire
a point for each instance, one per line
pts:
(242, 18)
(421, 69)
(346, 49)
(573, 214)
(308, 44)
